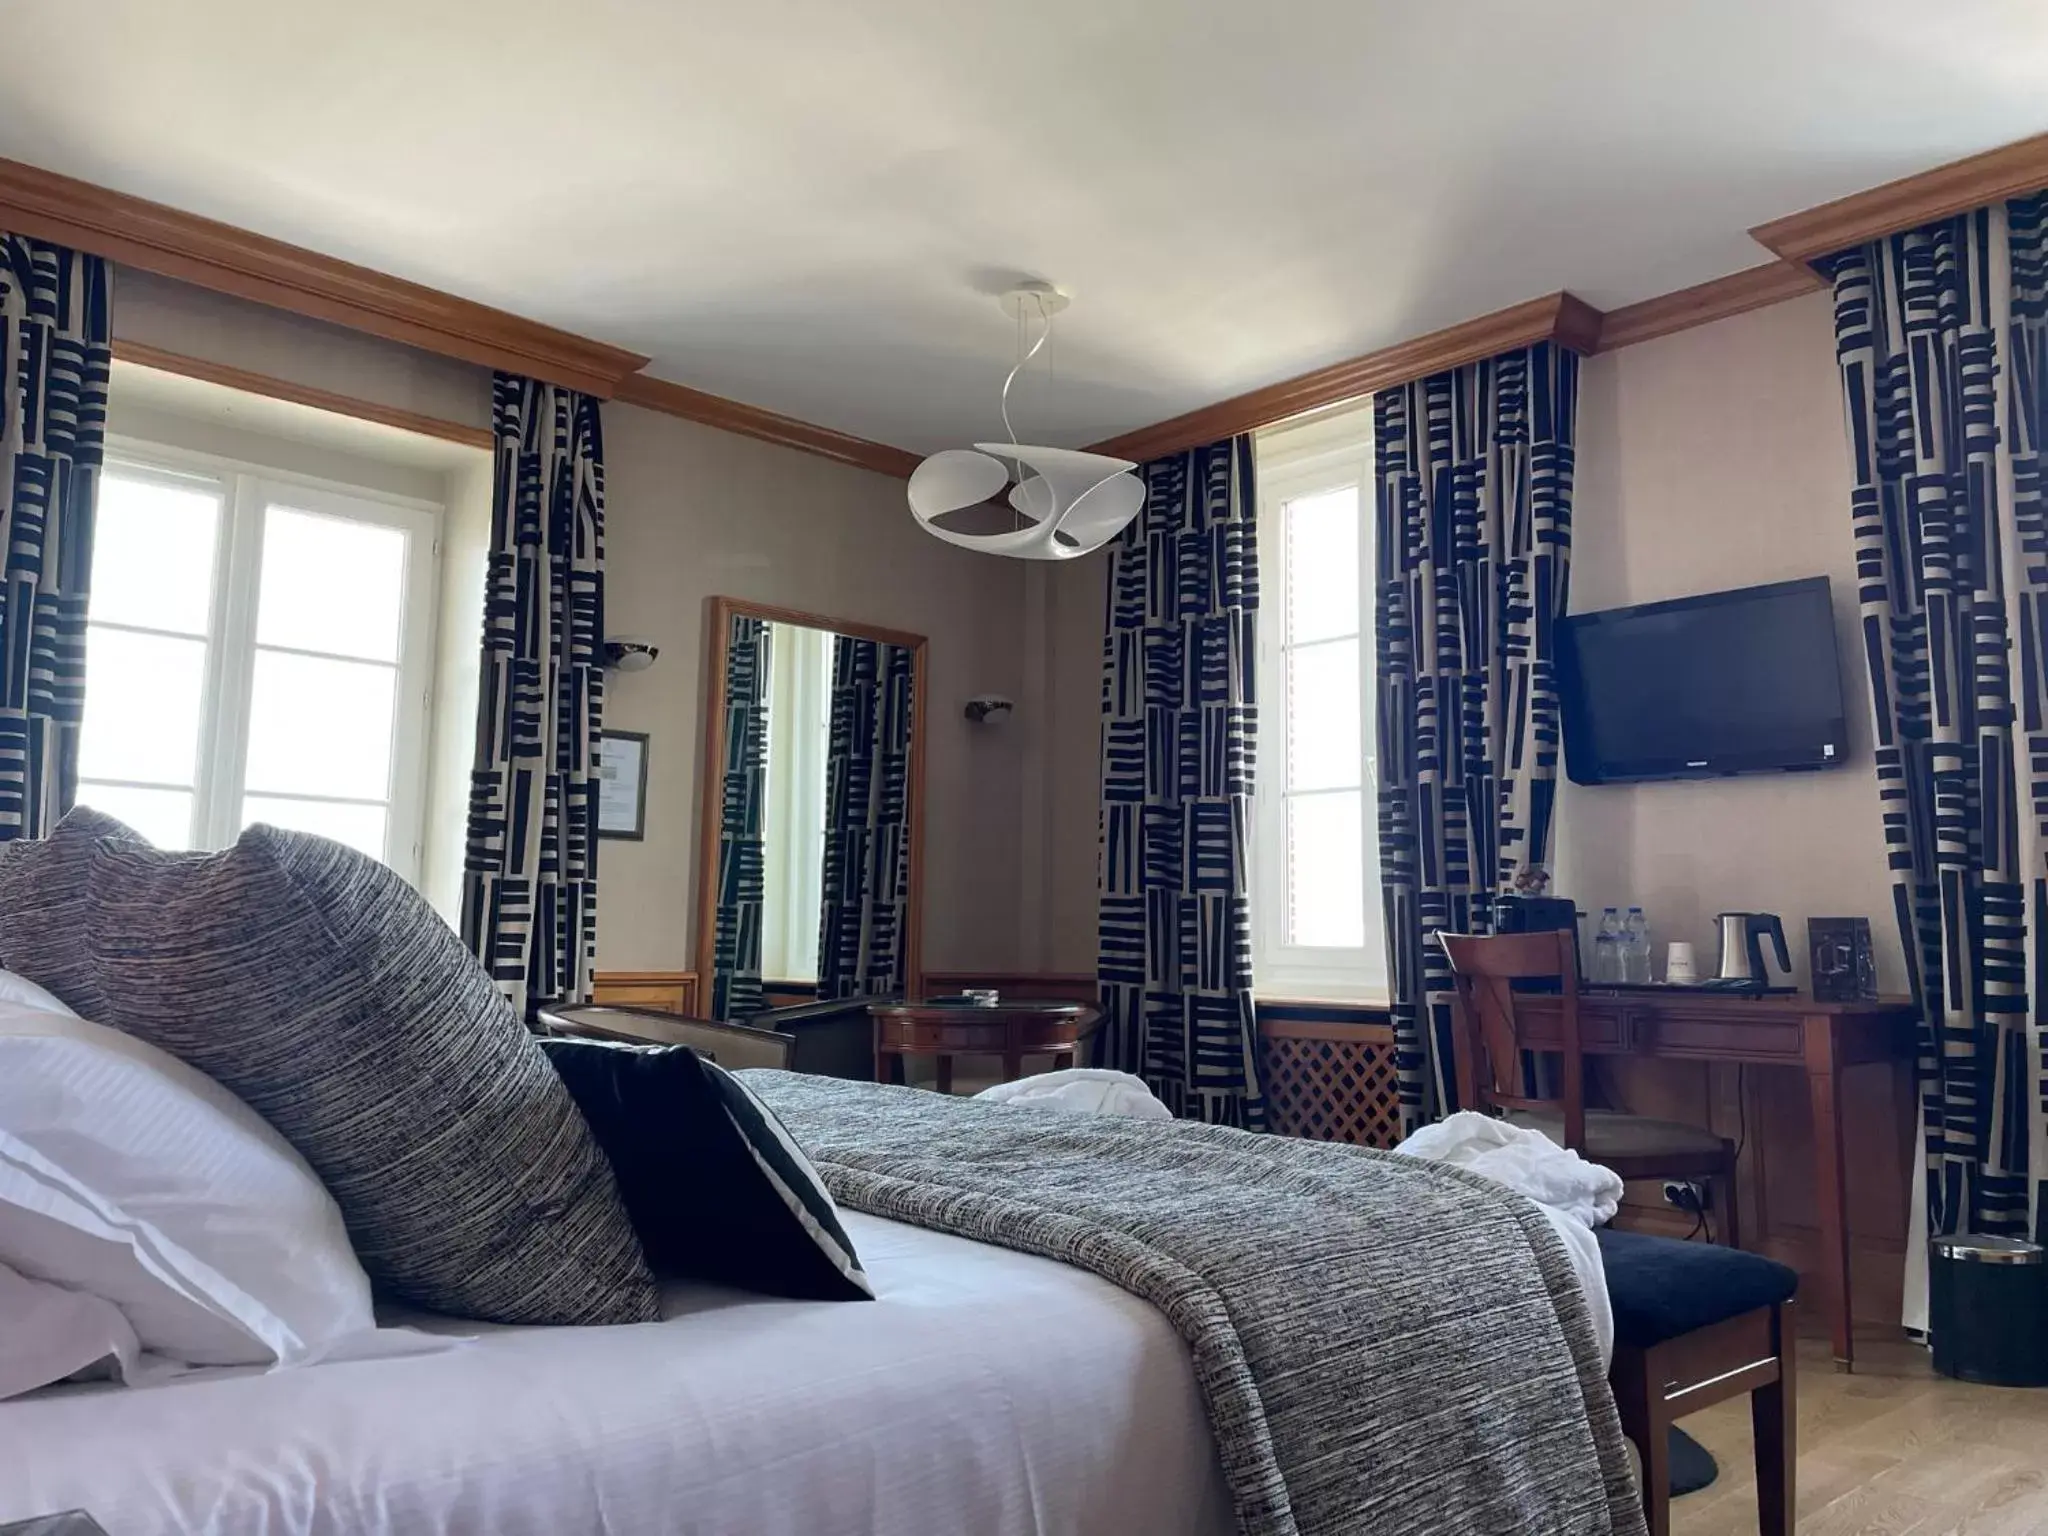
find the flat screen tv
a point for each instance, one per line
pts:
(1729, 682)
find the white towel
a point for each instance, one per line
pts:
(1526, 1161)
(1082, 1091)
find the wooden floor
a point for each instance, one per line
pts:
(1893, 1449)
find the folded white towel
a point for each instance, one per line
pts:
(1082, 1091)
(1526, 1161)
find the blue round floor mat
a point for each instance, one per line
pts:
(1692, 1464)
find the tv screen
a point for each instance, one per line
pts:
(1732, 682)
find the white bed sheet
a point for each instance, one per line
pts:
(984, 1393)
(1583, 1248)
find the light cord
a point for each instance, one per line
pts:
(1025, 361)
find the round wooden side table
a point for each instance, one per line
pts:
(1012, 1028)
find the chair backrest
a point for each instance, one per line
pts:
(1485, 1041)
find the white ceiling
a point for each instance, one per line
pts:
(803, 203)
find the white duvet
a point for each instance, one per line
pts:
(985, 1393)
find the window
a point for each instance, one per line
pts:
(1317, 924)
(257, 649)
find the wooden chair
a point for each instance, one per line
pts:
(1489, 1072)
(834, 1038)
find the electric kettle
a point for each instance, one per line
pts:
(1742, 947)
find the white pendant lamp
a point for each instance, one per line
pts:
(1066, 502)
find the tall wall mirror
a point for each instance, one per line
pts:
(813, 801)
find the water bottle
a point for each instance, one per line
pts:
(1607, 948)
(1635, 948)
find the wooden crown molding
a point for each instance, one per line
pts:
(752, 421)
(2009, 171)
(209, 254)
(211, 372)
(1704, 303)
(1559, 317)
(156, 238)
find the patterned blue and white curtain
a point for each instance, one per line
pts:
(54, 311)
(742, 849)
(1472, 502)
(861, 934)
(1179, 733)
(1942, 334)
(529, 889)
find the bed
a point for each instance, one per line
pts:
(1082, 1325)
(984, 1391)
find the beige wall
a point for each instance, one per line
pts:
(177, 317)
(1076, 592)
(1715, 458)
(694, 513)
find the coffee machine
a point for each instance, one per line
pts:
(1537, 914)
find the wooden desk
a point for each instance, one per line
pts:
(1011, 1029)
(1821, 1039)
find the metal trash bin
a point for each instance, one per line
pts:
(1988, 1310)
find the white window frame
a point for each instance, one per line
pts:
(1293, 463)
(246, 490)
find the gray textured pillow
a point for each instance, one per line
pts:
(42, 906)
(321, 988)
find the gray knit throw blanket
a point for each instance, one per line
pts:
(1384, 1345)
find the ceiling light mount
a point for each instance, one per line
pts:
(1064, 502)
(1033, 301)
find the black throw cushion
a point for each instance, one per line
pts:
(1661, 1287)
(714, 1185)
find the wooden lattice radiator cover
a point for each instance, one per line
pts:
(1330, 1081)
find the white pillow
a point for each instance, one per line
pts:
(48, 1333)
(126, 1174)
(19, 989)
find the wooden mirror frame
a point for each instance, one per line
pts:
(723, 610)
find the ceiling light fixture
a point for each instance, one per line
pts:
(1067, 502)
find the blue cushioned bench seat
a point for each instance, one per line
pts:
(1661, 1287)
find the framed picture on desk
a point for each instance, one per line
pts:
(622, 785)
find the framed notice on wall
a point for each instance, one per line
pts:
(622, 785)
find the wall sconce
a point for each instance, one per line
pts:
(629, 655)
(987, 708)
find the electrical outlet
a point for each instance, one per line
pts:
(1686, 1195)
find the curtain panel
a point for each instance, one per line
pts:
(742, 847)
(1179, 738)
(1472, 505)
(55, 328)
(861, 951)
(1942, 336)
(529, 897)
